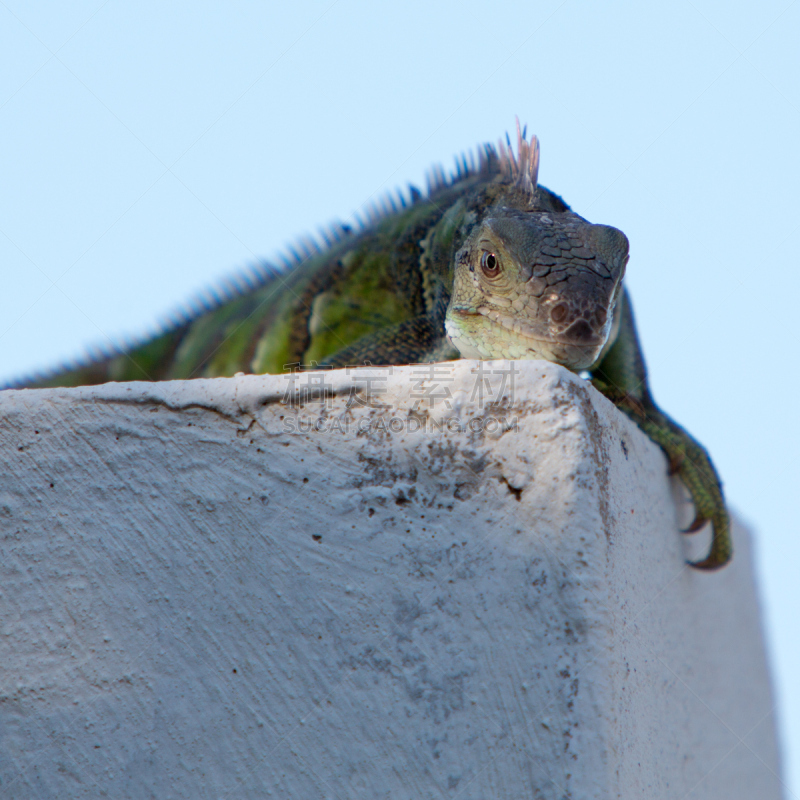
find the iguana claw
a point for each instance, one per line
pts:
(697, 524)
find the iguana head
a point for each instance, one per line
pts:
(535, 283)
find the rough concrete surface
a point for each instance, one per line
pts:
(400, 583)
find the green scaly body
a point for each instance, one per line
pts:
(488, 261)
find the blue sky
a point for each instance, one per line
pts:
(149, 149)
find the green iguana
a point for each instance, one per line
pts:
(487, 265)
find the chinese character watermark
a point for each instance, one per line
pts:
(430, 385)
(483, 389)
(428, 388)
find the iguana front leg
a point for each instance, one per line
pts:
(417, 340)
(621, 376)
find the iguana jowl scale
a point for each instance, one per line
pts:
(488, 265)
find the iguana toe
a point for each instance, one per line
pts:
(721, 549)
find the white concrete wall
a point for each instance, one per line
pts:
(202, 598)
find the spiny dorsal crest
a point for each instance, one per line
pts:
(522, 169)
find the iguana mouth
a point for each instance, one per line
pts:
(580, 332)
(485, 333)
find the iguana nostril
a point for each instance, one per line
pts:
(580, 331)
(559, 312)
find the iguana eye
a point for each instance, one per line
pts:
(490, 264)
